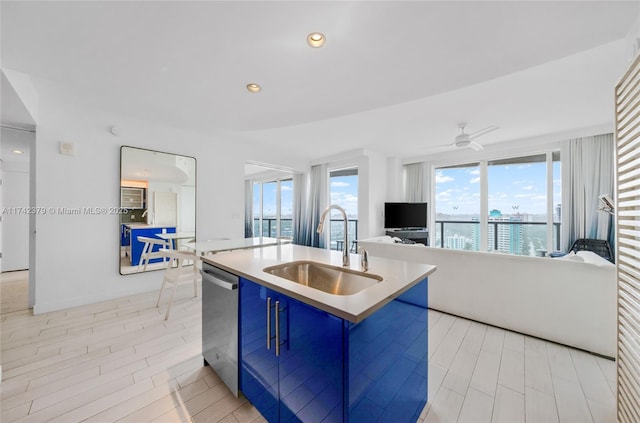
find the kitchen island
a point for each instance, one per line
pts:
(308, 355)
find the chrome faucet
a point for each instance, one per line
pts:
(345, 246)
(150, 218)
(364, 259)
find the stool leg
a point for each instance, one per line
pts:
(149, 251)
(164, 286)
(196, 273)
(173, 291)
(145, 247)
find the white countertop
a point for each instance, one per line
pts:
(398, 276)
(218, 245)
(177, 235)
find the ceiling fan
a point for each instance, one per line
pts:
(464, 139)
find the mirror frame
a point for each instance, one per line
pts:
(120, 222)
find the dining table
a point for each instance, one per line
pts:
(174, 238)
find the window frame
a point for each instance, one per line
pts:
(261, 182)
(347, 169)
(483, 165)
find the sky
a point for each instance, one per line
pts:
(269, 198)
(513, 188)
(344, 192)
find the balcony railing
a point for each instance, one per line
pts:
(495, 233)
(269, 227)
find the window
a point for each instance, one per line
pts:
(557, 200)
(523, 198)
(458, 207)
(517, 201)
(344, 193)
(273, 208)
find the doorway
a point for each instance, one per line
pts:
(18, 222)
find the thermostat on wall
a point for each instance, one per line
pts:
(66, 148)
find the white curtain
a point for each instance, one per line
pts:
(248, 208)
(309, 218)
(590, 167)
(300, 183)
(414, 183)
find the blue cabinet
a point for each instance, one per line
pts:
(291, 357)
(137, 246)
(301, 364)
(125, 235)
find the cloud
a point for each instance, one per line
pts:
(474, 172)
(444, 194)
(474, 180)
(339, 184)
(285, 188)
(528, 187)
(441, 179)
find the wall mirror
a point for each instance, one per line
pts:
(158, 202)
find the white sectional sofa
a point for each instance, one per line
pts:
(569, 300)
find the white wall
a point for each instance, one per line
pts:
(78, 255)
(376, 183)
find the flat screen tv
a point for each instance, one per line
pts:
(405, 215)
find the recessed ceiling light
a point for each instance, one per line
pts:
(17, 151)
(316, 39)
(254, 88)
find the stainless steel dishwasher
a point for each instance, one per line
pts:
(220, 323)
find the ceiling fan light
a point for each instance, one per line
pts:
(462, 140)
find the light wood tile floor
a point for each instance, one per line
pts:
(14, 291)
(119, 361)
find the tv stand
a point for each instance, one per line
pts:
(419, 235)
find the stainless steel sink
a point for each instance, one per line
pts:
(331, 279)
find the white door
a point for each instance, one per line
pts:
(165, 208)
(15, 223)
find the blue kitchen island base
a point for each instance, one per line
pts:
(301, 364)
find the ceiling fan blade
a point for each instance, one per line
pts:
(440, 148)
(475, 146)
(483, 131)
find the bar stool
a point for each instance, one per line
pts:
(148, 253)
(183, 268)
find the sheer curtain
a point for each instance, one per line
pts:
(300, 222)
(590, 167)
(248, 208)
(414, 183)
(316, 203)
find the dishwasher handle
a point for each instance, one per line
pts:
(222, 279)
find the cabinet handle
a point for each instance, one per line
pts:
(277, 328)
(268, 323)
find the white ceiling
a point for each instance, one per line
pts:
(393, 76)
